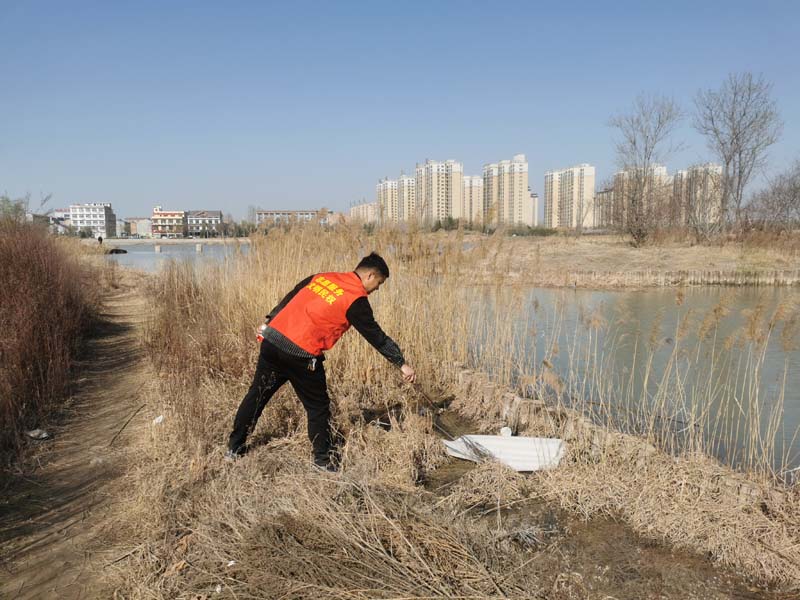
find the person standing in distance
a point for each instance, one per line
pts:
(306, 323)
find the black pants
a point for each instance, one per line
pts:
(308, 380)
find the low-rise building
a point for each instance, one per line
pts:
(205, 223)
(60, 215)
(270, 218)
(366, 212)
(169, 223)
(97, 217)
(141, 227)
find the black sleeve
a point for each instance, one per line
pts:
(360, 316)
(287, 298)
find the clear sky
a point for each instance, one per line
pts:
(221, 105)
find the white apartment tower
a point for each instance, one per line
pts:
(472, 205)
(651, 186)
(506, 193)
(605, 211)
(439, 190)
(99, 217)
(406, 198)
(386, 198)
(569, 197)
(696, 195)
(531, 215)
(551, 181)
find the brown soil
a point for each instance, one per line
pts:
(55, 509)
(600, 558)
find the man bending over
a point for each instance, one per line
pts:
(308, 321)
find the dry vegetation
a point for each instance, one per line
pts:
(271, 526)
(609, 261)
(47, 299)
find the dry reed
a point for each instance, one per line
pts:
(370, 533)
(48, 298)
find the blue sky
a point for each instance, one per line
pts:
(300, 105)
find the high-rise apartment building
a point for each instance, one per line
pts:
(99, 217)
(406, 198)
(696, 195)
(532, 210)
(650, 188)
(569, 196)
(439, 190)
(506, 192)
(604, 209)
(551, 212)
(386, 198)
(472, 208)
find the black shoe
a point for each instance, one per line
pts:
(326, 464)
(232, 456)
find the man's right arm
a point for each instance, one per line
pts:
(287, 298)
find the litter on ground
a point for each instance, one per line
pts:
(520, 453)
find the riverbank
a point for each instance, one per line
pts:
(610, 262)
(588, 262)
(269, 525)
(124, 242)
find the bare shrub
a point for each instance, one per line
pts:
(777, 207)
(47, 300)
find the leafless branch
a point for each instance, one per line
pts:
(740, 121)
(644, 140)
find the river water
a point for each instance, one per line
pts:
(144, 257)
(732, 352)
(705, 346)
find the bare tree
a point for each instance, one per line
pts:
(643, 143)
(740, 121)
(702, 201)
(778, 205)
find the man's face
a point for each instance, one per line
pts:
(372, 281)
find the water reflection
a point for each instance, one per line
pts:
(712, 349)
(144, 257)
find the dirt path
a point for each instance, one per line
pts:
(55, 514)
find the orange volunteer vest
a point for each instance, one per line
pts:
(316, 318)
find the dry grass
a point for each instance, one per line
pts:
(607, 261)
(370, 532)
(48, 297)
(272, 526)
(691, 503)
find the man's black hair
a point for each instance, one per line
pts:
(376, 263)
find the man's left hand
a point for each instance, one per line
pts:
(409, 374)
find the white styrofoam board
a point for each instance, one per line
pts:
(520, 453)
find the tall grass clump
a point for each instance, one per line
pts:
(47, 300)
